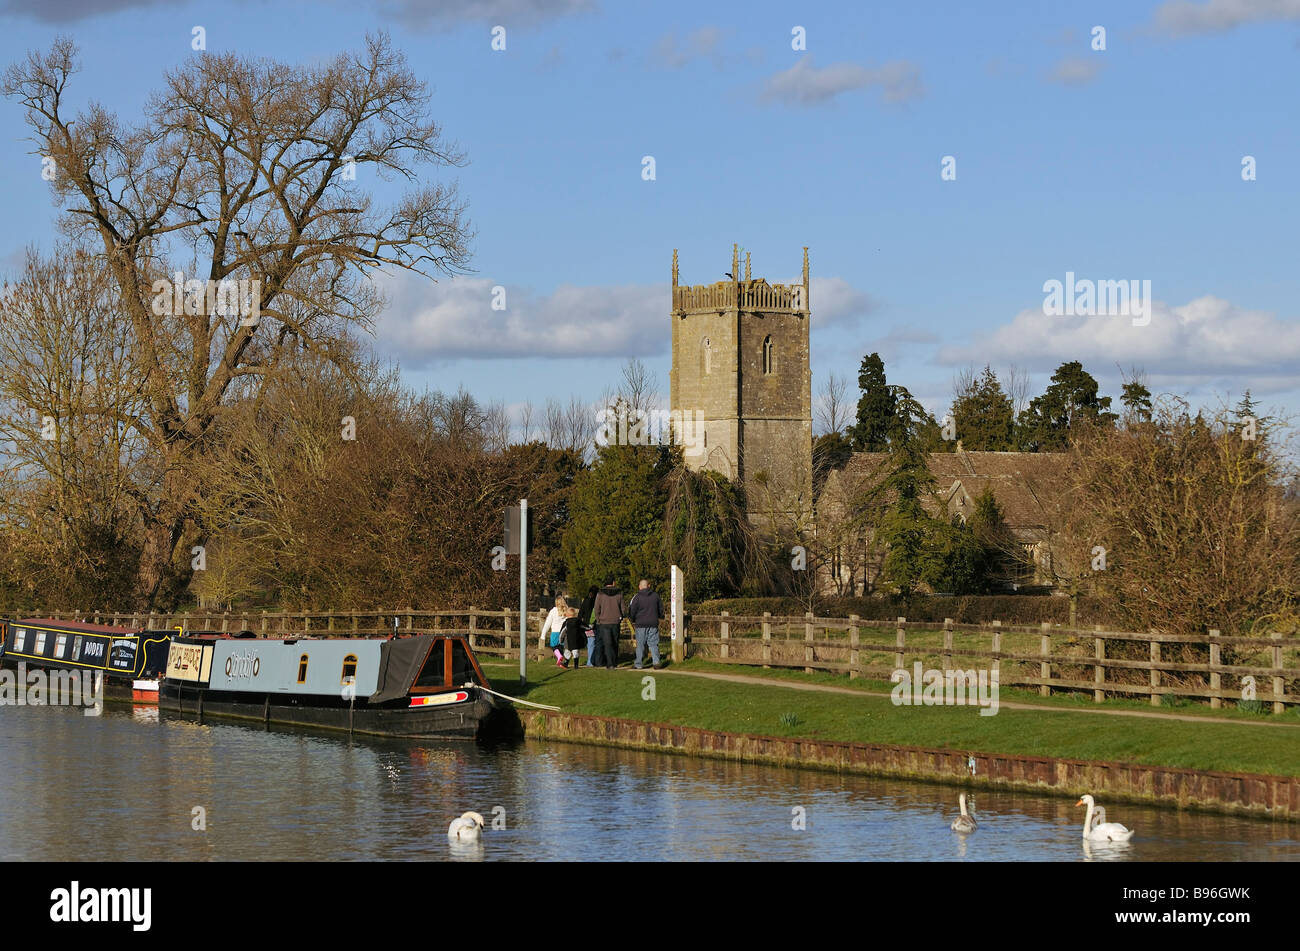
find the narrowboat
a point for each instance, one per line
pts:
(425, 685)
(131, 660)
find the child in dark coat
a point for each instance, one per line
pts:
(573, 636)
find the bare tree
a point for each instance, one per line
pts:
(526, 422)
(570, 426)
(243, 170)
(1016, 385)
(833, 408)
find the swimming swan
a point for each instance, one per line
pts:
(1101, 831)
(466, 828)
(964, 822)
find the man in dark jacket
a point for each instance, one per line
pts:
(609, 615)
(645, 612)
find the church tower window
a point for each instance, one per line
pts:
(767, 354)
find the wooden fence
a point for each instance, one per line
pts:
(1104, 663)
(1048, 657)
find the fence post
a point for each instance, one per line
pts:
(854, 666)
(1216, 679)
(947, 643)
(1045, 665)
(767, 638)
(724, 632)
(264, 622)
(997, 648)
(473, 618)
(1278, 705)
(807, 642)
(1099, 670)
(900, 642)
(1155, 674)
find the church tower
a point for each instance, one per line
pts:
(741, 372)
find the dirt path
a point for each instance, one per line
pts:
(1010, 705)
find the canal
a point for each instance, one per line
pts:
(143, 785)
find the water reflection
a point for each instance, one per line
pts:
(281, 794)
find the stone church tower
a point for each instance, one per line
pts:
(741, 371)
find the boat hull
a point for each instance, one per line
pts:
(478, 717)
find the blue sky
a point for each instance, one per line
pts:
(1115, 164)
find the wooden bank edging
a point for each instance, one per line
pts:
(1272, 796)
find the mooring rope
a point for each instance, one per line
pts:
(515, 699)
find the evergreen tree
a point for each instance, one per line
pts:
(906, 529)
(876, 407)
(984, 416)
(1001, 561)
(616, 516)
(1045, 424)
(1137, 401)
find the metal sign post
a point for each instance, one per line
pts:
(676, 627)
(523, 592)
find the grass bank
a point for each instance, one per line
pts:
(773, 709)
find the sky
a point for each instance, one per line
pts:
(942, 161)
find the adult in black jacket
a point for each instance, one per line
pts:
(645, 612)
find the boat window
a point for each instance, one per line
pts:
(302, 669)
(349, 669)
(20, 638)
(462, 668)
(76, 647)
(40, 643)
(60, 642)
(431, 674)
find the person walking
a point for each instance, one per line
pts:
(573, 636)
(609, 615)
(585, 612)
(645, 611)
(551, 628)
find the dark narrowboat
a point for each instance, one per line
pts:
(131, 660)
(426, 685)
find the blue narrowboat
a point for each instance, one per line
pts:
(426, 685)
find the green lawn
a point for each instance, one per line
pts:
(744, 708)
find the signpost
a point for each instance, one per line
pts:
(676, 627)
(518, 541)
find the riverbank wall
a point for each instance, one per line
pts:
(1262, 795)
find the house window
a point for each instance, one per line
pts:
(302, 669)
(767, 354)
(349, 669)
(40, 643)
(60, 644)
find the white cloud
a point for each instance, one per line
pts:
(1076, 70)
(1205, 341)
(674, 53)
(805, 85)
(426, 323)
(1180, 17)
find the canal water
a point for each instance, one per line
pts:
(137, 784)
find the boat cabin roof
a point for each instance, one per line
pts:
(79, 627)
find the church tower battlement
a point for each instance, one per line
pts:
(741, 368)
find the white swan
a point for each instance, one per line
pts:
(1101, 831)
(466, 828)
(964, 822)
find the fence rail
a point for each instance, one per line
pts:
(1101, 662)
(1104, 663)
